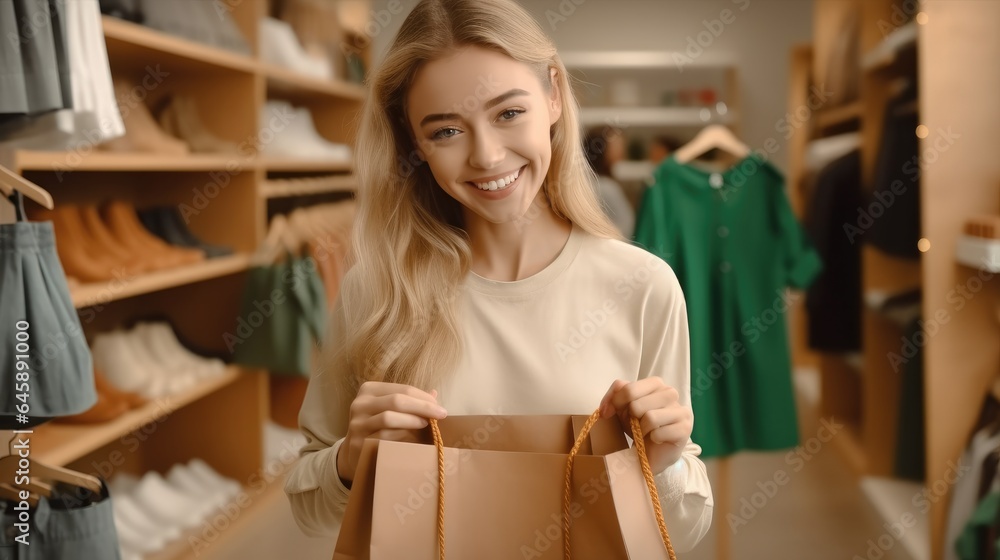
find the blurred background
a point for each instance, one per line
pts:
(194, 159)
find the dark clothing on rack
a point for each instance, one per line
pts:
(896, 193)
(910, 445)
(834, 298)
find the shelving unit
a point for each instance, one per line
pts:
(942, 47)
(225, 200)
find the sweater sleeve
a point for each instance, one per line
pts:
(314, 489)
(684, 487)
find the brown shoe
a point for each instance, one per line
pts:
(131, 400)
(105, 242)
(74, 247)
(123, 222)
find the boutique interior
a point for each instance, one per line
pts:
(168, 167)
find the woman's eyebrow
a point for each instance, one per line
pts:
(488, 105)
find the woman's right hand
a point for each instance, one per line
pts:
(388, 411)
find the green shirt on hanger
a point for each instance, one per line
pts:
(735, 245)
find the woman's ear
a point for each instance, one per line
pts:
(555, 97)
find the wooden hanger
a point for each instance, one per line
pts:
(41, 471)
(280, 235)
(710, 137)
(10, 182)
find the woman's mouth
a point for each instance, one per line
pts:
(500, 184)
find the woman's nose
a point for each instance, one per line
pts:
(487, 150)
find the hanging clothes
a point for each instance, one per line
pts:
(35, 300)
(735, 245)
(834, 298)
(896, 192)
(72, 523)
(965, 494)
(68, 58)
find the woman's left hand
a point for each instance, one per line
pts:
(666, 424)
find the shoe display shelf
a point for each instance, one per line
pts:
(225, 201)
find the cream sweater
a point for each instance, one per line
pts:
(549, 344)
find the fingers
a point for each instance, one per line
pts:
(606, 408)
(377, 389)
(634, 391)
(669, 424)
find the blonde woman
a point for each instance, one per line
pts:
(486, 279)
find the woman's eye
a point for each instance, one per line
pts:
(510, 114)
(444, 133)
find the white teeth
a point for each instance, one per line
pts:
(499, 183)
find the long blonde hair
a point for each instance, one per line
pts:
(410, 249)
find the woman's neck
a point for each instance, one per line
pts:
(516, 250)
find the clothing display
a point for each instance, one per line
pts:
(834, 298)
(966, 493)
(616, 205)
(979, 539)
(529, 348)
(36, 311)
(154, 510)
(897, 181)
(98, 245)
(56, 91)
(911, 447)
(72, 523)
(735, 244)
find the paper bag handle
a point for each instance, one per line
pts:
(640, 449)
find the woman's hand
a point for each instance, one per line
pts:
(389, 411)
(666, 424)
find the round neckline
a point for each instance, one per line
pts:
(537, 280)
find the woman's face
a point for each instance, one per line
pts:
(480, 119)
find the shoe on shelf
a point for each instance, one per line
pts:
(167, 223)
(198, 21)
(128, 367)
(141, 132)
(124, 223)
(131, 538)
(280, 46)
(74, 246)
(167, 504)
(181, 478)
(104, 241)
(133, 400)
(162, 343)
(211, 479)
(180, 118)
(299, 139)
(174, 378)
(131, 513)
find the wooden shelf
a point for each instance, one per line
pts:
(116, 161)
(893, 499)
(140, 47)
(889, 50)
(305, 166)
(61, 444)
(836, 116)
(651, 116)
(283, 81)
(86, 295)
(345, 183)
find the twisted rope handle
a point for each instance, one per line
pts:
(640, 448)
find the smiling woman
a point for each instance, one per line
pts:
(479, 246)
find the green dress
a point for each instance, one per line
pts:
(735, 246)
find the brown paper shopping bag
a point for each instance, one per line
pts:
(505, 493)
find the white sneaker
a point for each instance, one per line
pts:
(168, 505)
(137, 541)
(119, 363)
(182, 478)
(163, 344)
(136, 516)
(280, 46)
(211, 479)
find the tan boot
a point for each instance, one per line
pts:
(141, 132)
(180, 118)
(73, 245)
(105, 242)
